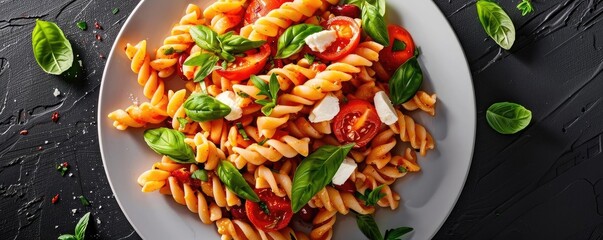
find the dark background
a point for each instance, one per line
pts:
(542, 183)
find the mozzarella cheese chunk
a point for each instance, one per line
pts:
(325, 110)
(320, 41)
(229, 98)
(385, 109)
(345, 171)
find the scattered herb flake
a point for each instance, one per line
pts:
(402, 169)
(242, 131)
(200, 174)
(264, 207)
(224, 65)
(115, 11)
(310, 58)
(98, 37)
(371, 197)
(398, 45)
(525, 6)
(183, 122)
(242, 94)
(82, 25)
(169, 51)
(55, 199)
(84, 201)
(261, 143)
(63, 168)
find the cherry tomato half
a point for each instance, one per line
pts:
(272, 213)
(357, 122)
(348, 37)
(259, 8)
(391, 59)
(243, 67)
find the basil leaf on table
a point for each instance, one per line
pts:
(80, 228)
(394, 234)
(205, 38)
(293, 39)
(405, 82)
(206, 63)
(368, 227)
(374, 25)
(170, 143)
(235, 44)
(51, 48)
(496, 23)
(315, 172)
(234, 181)
(67, 237)
(507, 117)
(202, 108)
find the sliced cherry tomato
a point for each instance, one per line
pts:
(391, 59)
(181, 59)
(238, 212)
(272, 213)
(347, 186)
(348, 10)
(357, 122)
(243, 67)
(307, 213)
(348, 37)
(259, 8)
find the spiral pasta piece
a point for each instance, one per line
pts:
(381, 147)
(206, 152)
(333, 200)
(137, 116)
(412, 132)
(221, 195)
(195, 201)
(223, 15)
(175, 110)
(422, 101)
(179, 40)
(153, 86)
(322, 225)
(273, 150)
(302, 127)
(237, 229)
(280, 184)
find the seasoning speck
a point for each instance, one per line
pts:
(115, 11)
(71, 175)
(55, 117)
(97, 25)
(24, 132)
(56, 92)
(98, 37)
(73, 211)
(55, 199)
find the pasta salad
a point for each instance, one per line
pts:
(290, 112)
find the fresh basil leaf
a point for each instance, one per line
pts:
(374, 25)
(261, 85)
(267, 109)
(406, 81)
(182, 122)
(293, 39)
(274, 87)
(315, 172)
(310, 58)
(200, 174)
(206, 63)
(67, 237)
(496, 23)
(379, 4)
(395, 234)
(227, 56)
(235, 44)
(368, 227)
(80, 227)
(205, 38)
(507, 117)
(202, 108)
(170, 143)
(525, 6)
(398, 45)
(234, 181)
(51, 48)
(402, 169)
(371, 197)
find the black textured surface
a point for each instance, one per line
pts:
(543, 183)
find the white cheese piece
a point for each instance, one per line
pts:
(385, 109)
(229, 98)
(325, 110)
(320, 41)
(345, 170)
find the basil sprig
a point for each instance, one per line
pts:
(51, 48)
(269, 90)
(406, 81)
(293, 39)
(373, 24)
(507, 117)
(206, 63)
(380, 4)
(170, 143)
(496, 23)
(234, 181)
(315, 172)
(370, 229)
(202, 108)
(80, 229)
(525, 6)
(371, 197)
(224, 46)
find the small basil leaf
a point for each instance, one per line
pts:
(80, 227)
(374, 24)
(315, 172)
(293, 39)
(508, 118)
(274, 87)
(371, 197)
(206, 63)
(398, 45)
(51, 48)
(406, 81)
(395, 234)
(234, 181)
(202, 108)
(496, 23)
(310, 58)
(368, 227)
(235, 44)
(525, 6)
(267, 109)
(67, 237)
(261, 85)
(205, 38)
(170, 143)
(227, 56)
(200, 174)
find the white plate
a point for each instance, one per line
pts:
(427, 197)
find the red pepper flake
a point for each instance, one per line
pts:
(97, 25)
(63, 168)
(40, 148)
(98, 37)
(101, 56)
(55, 199)
(24, 132)
(55, 116)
